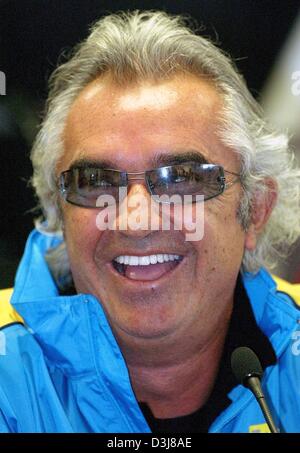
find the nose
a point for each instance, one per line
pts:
(137, 212)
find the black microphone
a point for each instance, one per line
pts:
(248, 371)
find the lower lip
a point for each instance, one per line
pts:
(148, 274)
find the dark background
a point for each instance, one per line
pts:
(33, 33)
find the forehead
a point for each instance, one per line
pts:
(127, 125)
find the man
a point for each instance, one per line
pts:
(130, 328)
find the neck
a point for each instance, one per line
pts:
(174, 382)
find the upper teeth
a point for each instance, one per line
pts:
(145, 260)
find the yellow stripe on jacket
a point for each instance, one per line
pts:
(8, 314)
(293, 290)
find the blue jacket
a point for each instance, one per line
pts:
(63, 371)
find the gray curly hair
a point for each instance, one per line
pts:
(154, 45)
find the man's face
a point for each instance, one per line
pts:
(128, 127)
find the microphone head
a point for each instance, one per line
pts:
(245, 364)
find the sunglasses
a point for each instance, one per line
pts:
(82, 186)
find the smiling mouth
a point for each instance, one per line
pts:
(148, 267)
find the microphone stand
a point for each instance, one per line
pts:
(253, 383)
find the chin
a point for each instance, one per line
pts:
(147, 326)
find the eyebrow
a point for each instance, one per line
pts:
(85, 162)
(158, 160)
(166, 159)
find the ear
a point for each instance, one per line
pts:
(262, 207)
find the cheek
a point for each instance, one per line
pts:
(222, 246)
(81, 236)
(231, 237)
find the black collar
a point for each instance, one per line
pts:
(242, 331)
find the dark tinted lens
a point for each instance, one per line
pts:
(83, 186)
(187, 179)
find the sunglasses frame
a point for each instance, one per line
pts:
(145, 175)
